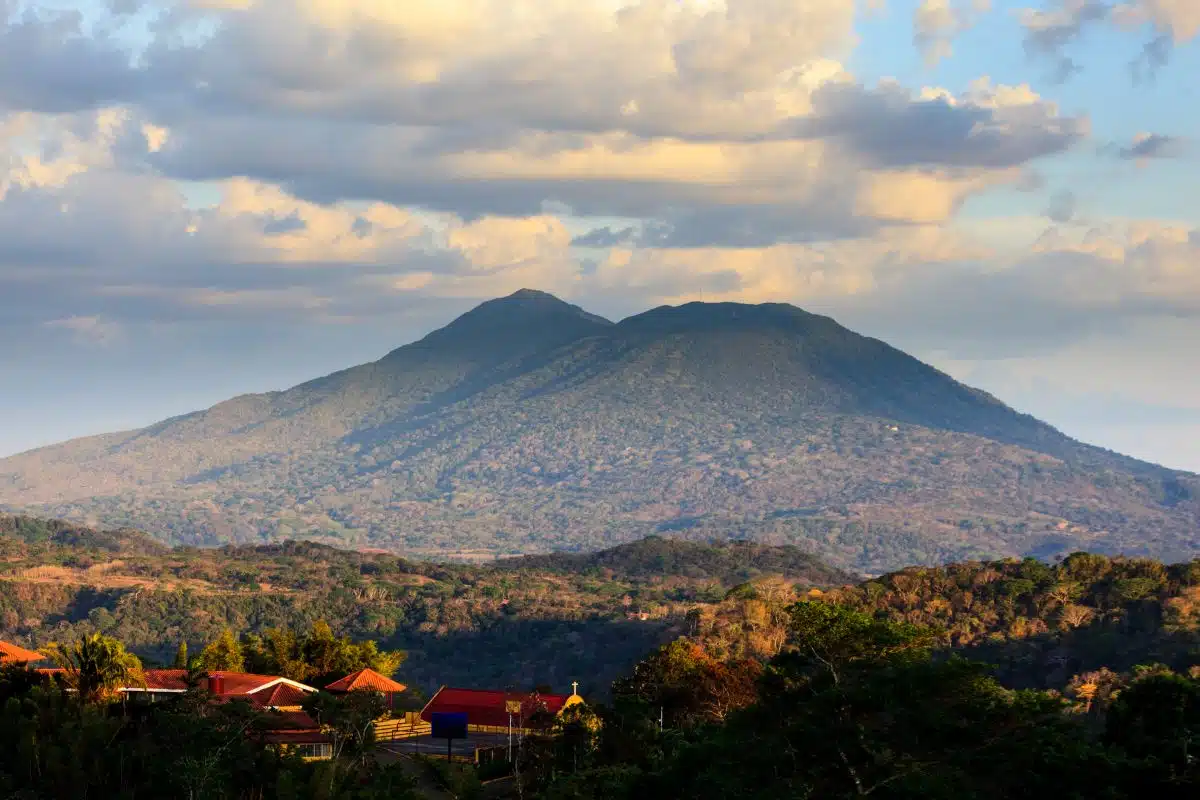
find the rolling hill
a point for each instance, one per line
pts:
(522, 620)
(529, 425)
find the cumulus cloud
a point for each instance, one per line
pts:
(335, 161)
(1069, 284)
(726, 123)
(995, 127)
(49, 63)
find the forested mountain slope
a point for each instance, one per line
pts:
(521, 622)
(530, 425)
(554, 619)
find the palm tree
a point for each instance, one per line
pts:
(96, 666)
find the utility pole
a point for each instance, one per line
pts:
(660, 719)
(512, 707)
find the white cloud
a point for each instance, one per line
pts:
(683, 112)
(358, 156)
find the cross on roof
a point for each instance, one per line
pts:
(574, 687)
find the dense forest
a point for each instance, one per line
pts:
(852, 703)
(554, 619)
(522, 621)
(857, 704)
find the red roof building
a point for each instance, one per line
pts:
(289, 727)
(367, 679)
(488, 711)
(371, 681)
(261, 691)
(12, 654)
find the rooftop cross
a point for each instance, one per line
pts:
(574, 687)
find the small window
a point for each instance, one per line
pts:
(314, 750)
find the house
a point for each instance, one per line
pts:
(366, 679)
(295, 731)
(490, 711)
(12, 654)
(289, 727)
(388, 728)
(266, 692)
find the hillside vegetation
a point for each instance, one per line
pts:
(553, 619)
(515, 623)
(656, 557)
(711, 671)
(528, 426)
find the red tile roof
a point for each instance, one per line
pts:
(366, 679)
(264, 691)
(485, 707)
(277, 696)
(244, 682)
(165, 679)
(12, 654)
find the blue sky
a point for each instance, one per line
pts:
(205, 199)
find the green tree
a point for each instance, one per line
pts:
(857, 706)
(349, 720)
(181, 656)
(277, 652)
(318, 657)
(687, 685)
(224, 654)
(96, 666)
(1157, 717)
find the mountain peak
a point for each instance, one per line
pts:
(725, 316)
(513, 326)
(524, 306)
(532, 294)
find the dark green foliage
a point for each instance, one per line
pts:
(95, 666)
(1041, 624)
(1157, 718)
(52, 747)
(316, 657)
(724, 562)
(37, 531)
(523, 621)
(349, 721)
(181, 657)
(859, 706)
